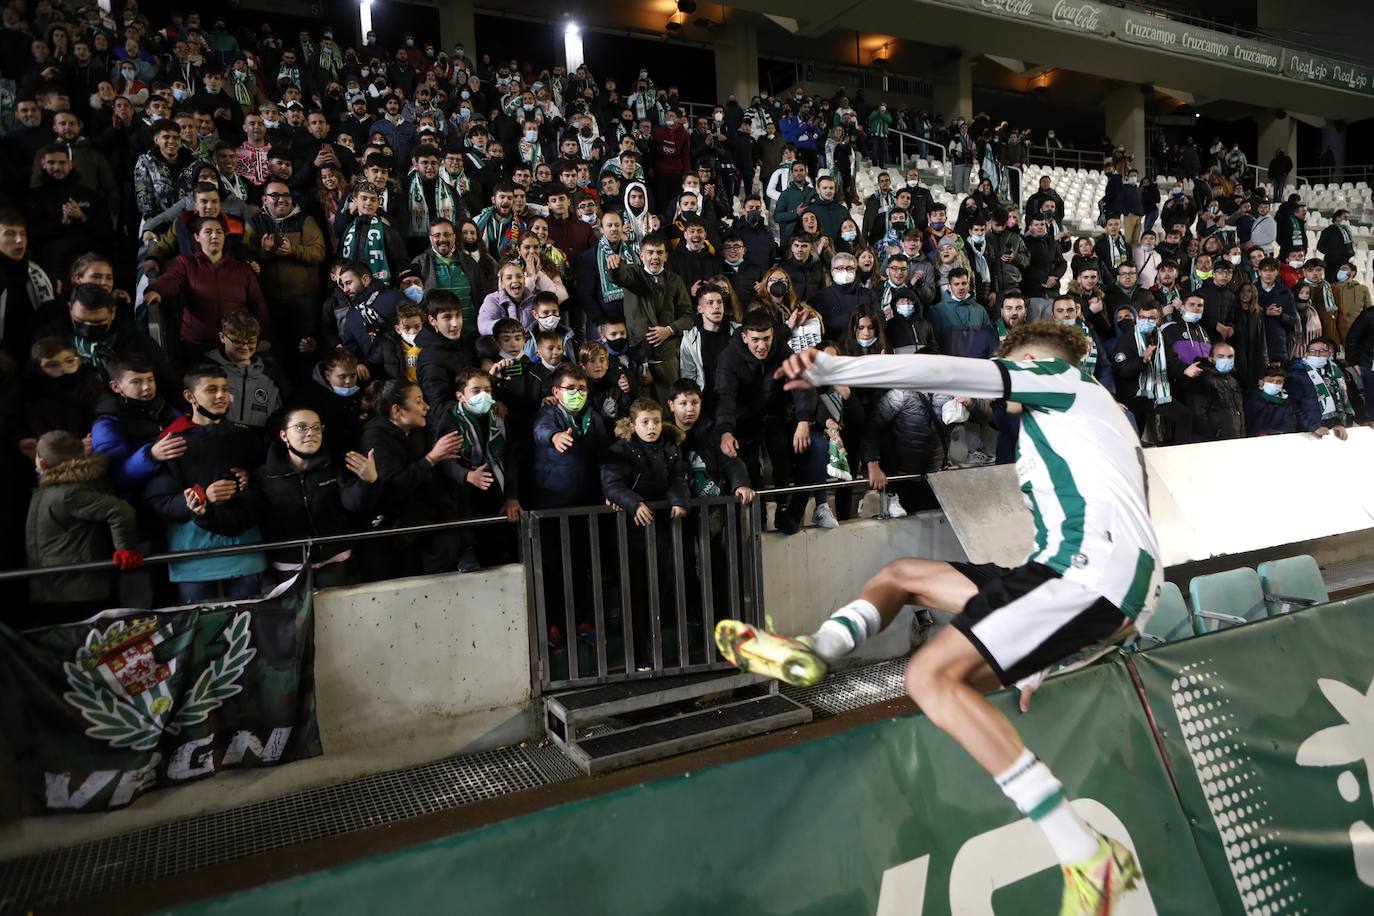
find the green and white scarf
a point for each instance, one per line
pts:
(1117, 249)
(699, 481)
(242, 93)
(1089, 364)
(1328, 301)
(494, 453)
(1331, 393)
(95, 353)
(610, 292)
(365, 240)
(1154, 379)
(419, 210)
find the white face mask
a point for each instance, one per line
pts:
(1273, 389)
(548, 322)
(409, 338)
(1233, 258)
(1192, 317)
(1296, 265)
(842, 276)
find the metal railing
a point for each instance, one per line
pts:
(904, 138)
(1335, 174)
(1092, 160)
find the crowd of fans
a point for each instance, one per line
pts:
(261, 287)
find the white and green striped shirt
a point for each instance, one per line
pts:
(1079, 462)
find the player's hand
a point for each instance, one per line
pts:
(644, 516)
(795, 367)
(729, 445)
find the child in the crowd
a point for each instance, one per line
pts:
(548, 348)
(486, 473)
(334, 393)
(509, 336)
(710, 471)
(1268, 409)
(73, 518)
(610, 389)
(397, 353)
(646, 464)
(58, 392)
(257, 387)
(130, 421)
(546, 317)
(616, 336)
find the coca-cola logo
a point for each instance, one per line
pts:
(1082, 16)
(1011, 7)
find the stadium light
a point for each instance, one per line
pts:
(572, 46)
(365, 17)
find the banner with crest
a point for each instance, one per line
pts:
(98, 712)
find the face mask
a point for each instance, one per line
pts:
(1068, 322)
(366, 72)
(408, 337)
(480, 403)
(588, 218)
(90, 330)
(180, 95)
(211, 415)
(548, 322)
(1192, 317)
(934, 224)
(344, 392)
(670, 122)
(617, 347)
(1048, 215)
(866, 343)
(1224, 365)
(842, 277)
(906, 310)
(414, 293)
(777, 289)
(129, 74)
(1204, 275)
(975, 238)
(1342, 276)
(1176, 192)
(1146, 325)
(1273, 389)
(1233, 258)
(1296, 265)
(1147, 247)
(1316, 362)
(270, 125)
(530, 135)
(574, 400)
(1214, 209)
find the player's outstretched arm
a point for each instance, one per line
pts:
(975, 378)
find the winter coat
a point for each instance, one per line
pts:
(360, 331)
(1352, 298)
(701, 448)
(1218, 406)
(694, 266)
(808, 278)
(125, 432)
(1007, 274)
(747, 394)
(424, 265)
(209, 291)
(212, 451)
(323, 499)
(296, 274)
(908, 422)
(836, 304)
(409, 490)
(340, 414)
(654, 302)
(785, 210)
(504, 463)
(954, 322)
(636, 471)
(439, 363)
(1263, 417)
(257, 395)
(570, 478)
(73, 518)
(1280, 329)
(1359, 342)
(829, 215)
(59, 403)
(1303, 394)
(690, 357)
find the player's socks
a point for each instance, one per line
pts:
(845, 629)
(1038, 795)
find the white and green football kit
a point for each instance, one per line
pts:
(1082, 475)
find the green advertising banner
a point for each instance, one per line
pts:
(1326, 71)
(1141, 28)
(1269, 730)
(890, 818)
(97, 713)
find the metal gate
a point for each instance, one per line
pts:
(612, 601)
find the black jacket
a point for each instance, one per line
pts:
(1046, 260)
(636, 471)
(743, 278)
(410, 490)
(747, 394)
(836, 304)
(324, 499)
(703, 441)
(808, 279)
(439, 363)
(340, 414)
(211, 452)
(694, 266)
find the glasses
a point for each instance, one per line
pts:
(1318, 351)
(242, 344)
(278, 195)
(582, 388)
(303, 428)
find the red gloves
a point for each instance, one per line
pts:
(126, 560)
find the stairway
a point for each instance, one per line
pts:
(618, 725)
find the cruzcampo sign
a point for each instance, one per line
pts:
(1179, 38)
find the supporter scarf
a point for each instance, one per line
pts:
(499, 234)
(373, 322)
(307, 49)
(990, 170)
(365, 240)
(1331, 393)
(419, 210)
(610, 292)
(1116, 247)
(1280, 398)
(242, 94)
(94, 353)
(1002, 330)
(1328, 302)
(291, 74)
(1089, 364)
(1154, 380)
(493, 455)
(1345, 233)
(457, 182)
(1170, 294)
(699, 480)
(980, 263)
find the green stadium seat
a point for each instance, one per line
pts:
(1226, 599)
(1171, 620)
(1291, 583)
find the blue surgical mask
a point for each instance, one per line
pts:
(850, 235)
(1224, 364)
(346, 392)
(1316, 362)
(414, 293)
(1192, 317)
(480, 403)
(1273, 389)
(866, 343)
(1146, 325)
(906, 309)
(1342, 276)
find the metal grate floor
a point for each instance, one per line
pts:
(853, 688)
(112, 864)
(179, 847)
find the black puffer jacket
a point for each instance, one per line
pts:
(635, 471)
(324, 499)
(410, 489)
(908, 423)
(747, 393)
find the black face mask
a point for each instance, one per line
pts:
(1126, 325)
(472, 245)
(617, 347)
(295, 451)
(90, 330)
(210, 414)
(777, 289)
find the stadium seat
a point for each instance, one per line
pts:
(1290, 583)
(1226, 599)
(1171, 621)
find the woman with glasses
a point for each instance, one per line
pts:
(302, 493)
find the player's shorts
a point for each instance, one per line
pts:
(1026, 619)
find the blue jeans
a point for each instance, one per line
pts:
(220, 589)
